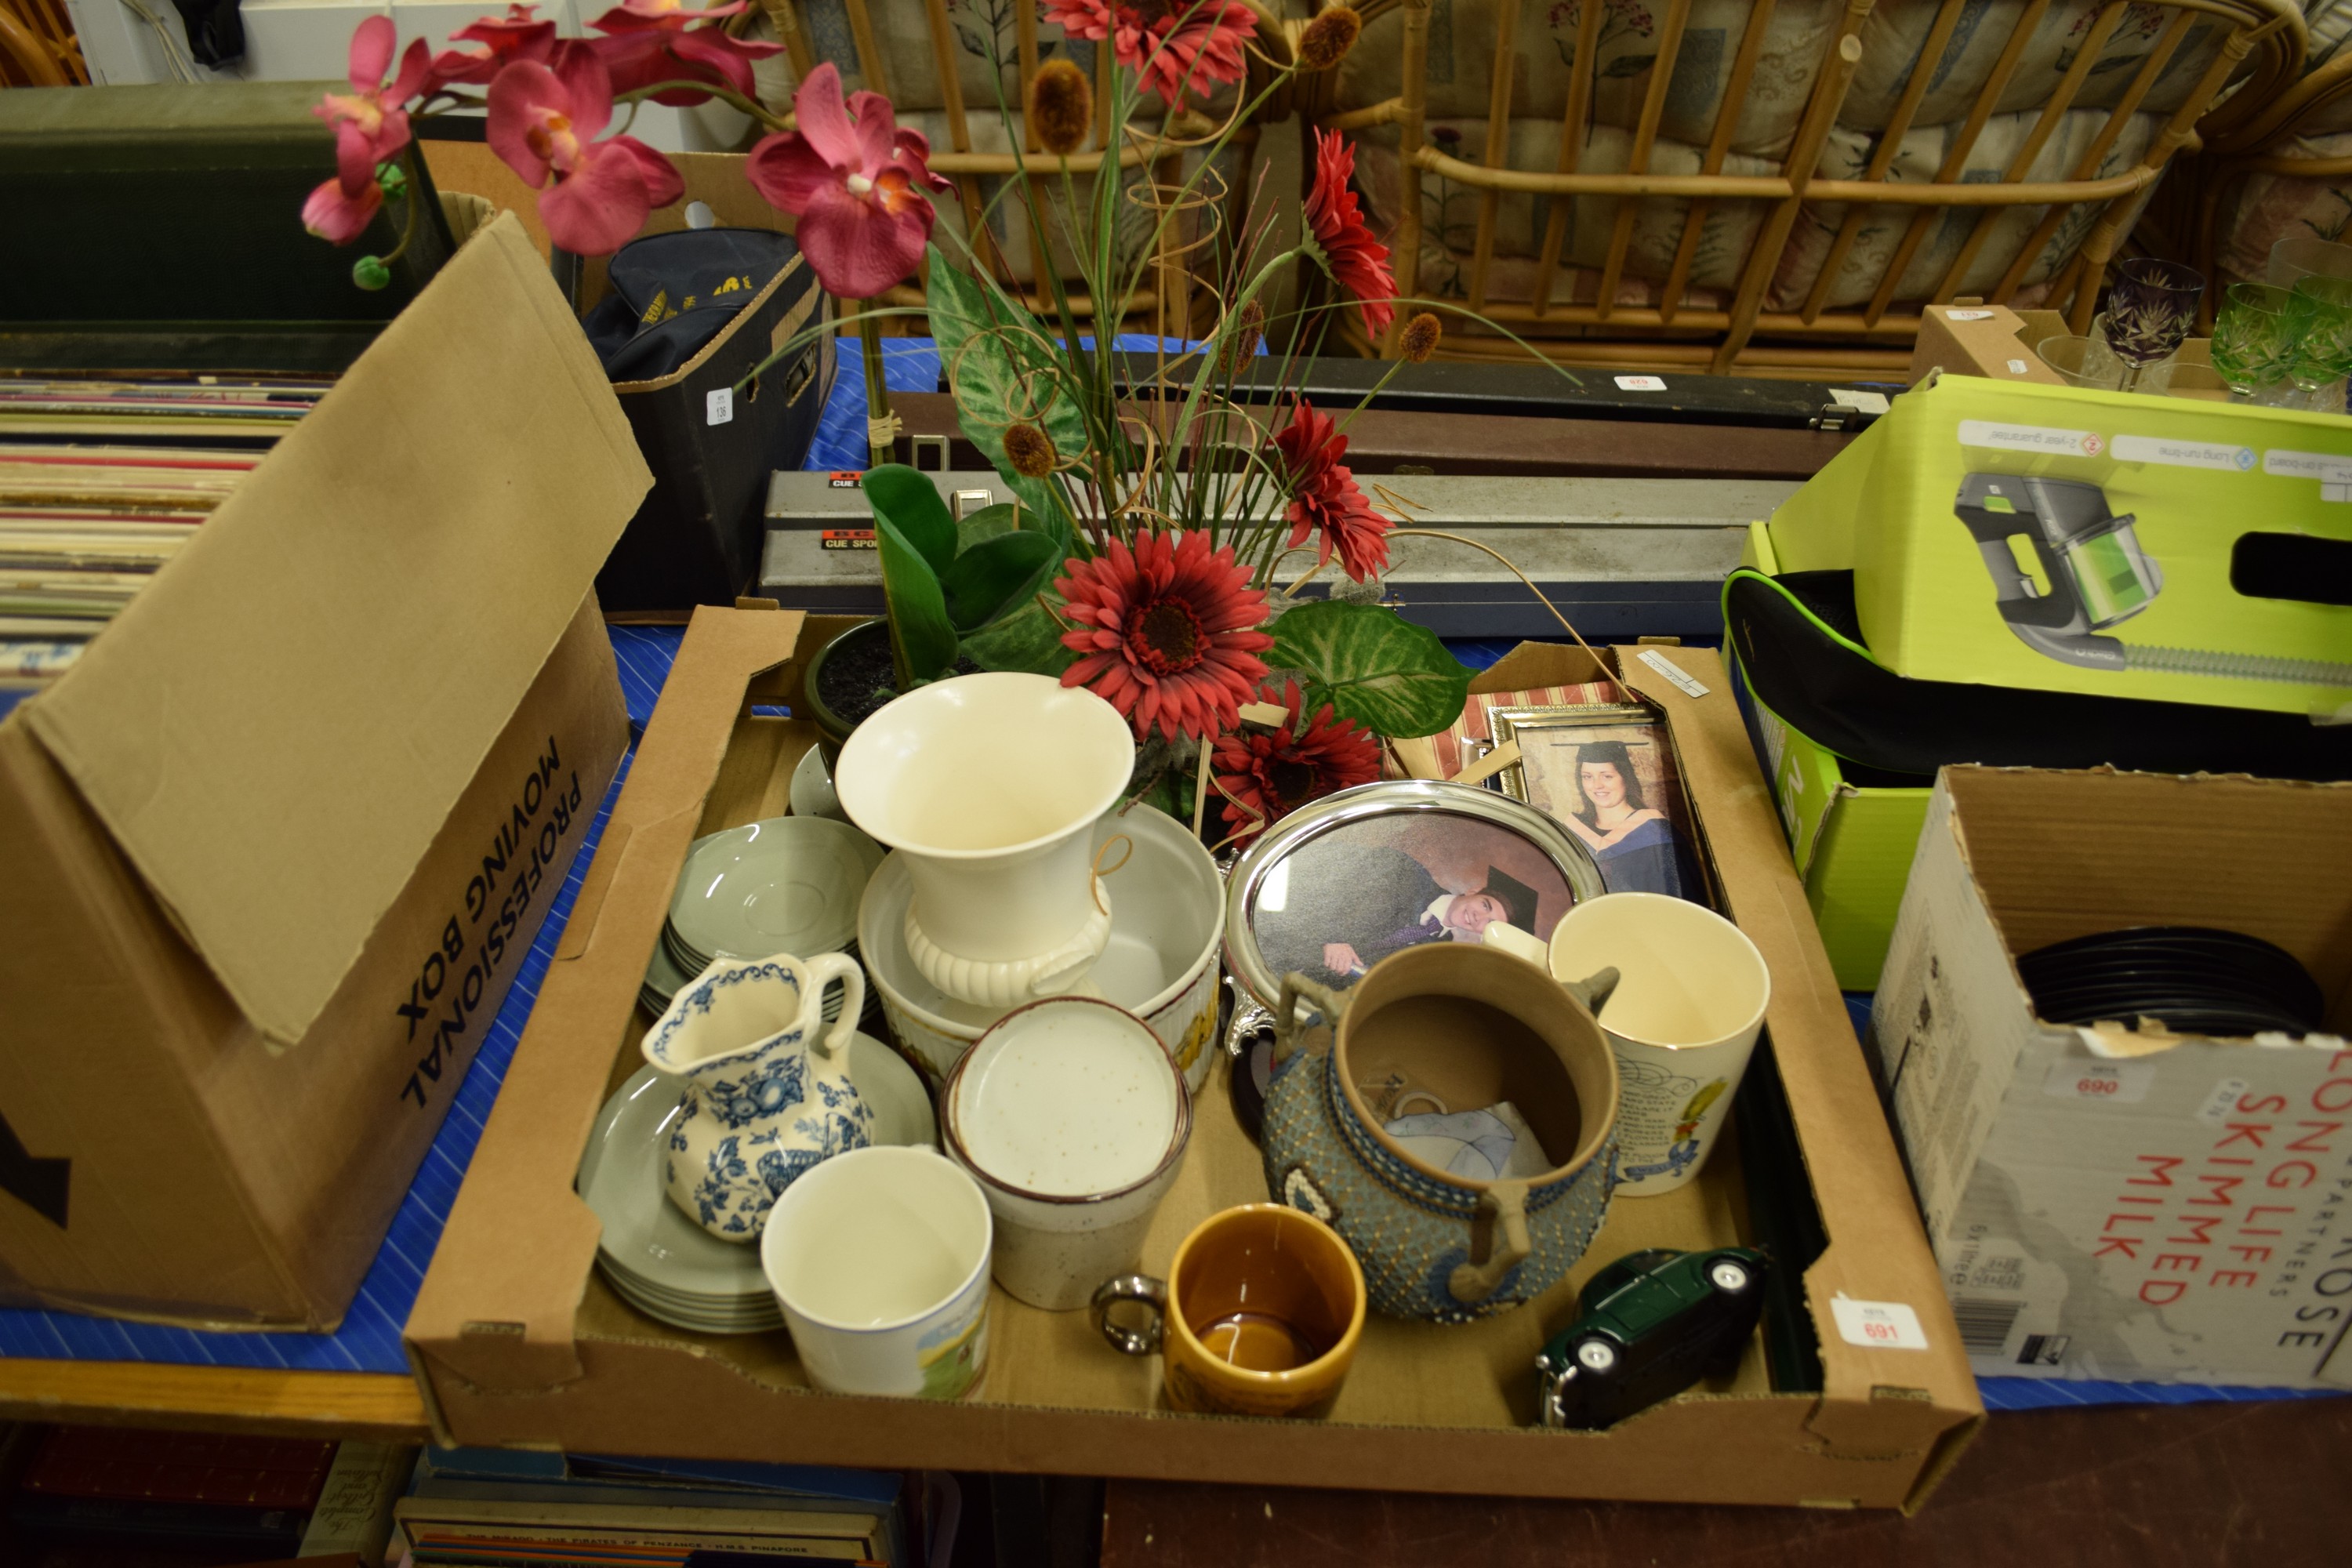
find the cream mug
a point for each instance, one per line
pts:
(880, 1259)
(1683, 1021)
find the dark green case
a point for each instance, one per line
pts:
(161, 228)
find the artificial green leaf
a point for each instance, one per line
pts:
(995, 574)
(1373, 666)
(912, 502)
(1027, 638)
(1171, 793)
(922, 638)
(988, 522)
(987, 365)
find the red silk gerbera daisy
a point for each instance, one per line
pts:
(1325, 497)
(1270, 776)
(1167, 633)
(1359, 261)
(1169, 45)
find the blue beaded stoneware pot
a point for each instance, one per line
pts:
(1453, 1027)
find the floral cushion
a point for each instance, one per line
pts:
(1895, 33)
(1461, 51)
(1450, 214)
(2329, 23)
(1461, 35)
(1007, 214)
(2268, 208)
(1923, 152)
(1450, 217)
(985, 34)
(986, 43)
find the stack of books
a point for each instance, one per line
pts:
(470, 1507)
(101, 483)
(113, 1494)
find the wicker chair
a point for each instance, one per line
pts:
(1770, 186)
(2285, 170)
(38, 47)
(934, 59)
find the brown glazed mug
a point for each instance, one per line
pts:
(1259, 1315)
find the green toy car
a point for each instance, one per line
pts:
(1651, 1324)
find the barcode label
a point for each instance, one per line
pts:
(1880, 1325)
(1684, 682)
(1985, 1322)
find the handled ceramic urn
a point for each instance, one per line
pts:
(1433, 1034)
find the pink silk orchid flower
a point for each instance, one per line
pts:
(543, 125)
(518, 35)
(641, 57)
(338, 217)
(858, 183)
(637, 15)
(370, 122)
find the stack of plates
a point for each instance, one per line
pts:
(2193, 979)
(791, 884)
(664, 1264)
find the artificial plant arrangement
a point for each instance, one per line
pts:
(1155, 552)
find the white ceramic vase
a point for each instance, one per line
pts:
(989, 785)
(768, 1094)
(1159, 964)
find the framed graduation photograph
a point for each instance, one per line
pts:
(1608, 774)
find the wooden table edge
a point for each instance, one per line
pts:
(381, 1406)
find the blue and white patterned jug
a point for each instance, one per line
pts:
(1445, 1027)
(760, 1105)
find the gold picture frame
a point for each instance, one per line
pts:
(1610, 774)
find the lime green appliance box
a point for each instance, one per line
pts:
(2110, 543)
(1853, 842)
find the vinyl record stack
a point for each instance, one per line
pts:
(2191, 979)
(491, 1508)
(101, 483)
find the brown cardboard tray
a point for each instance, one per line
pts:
(517, 1339)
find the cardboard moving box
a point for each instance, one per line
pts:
(517, 1339)
(2108, 1204)
(276, 844)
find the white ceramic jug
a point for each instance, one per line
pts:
(760, 1106)
(988, 785)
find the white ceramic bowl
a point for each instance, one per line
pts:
(1160, 963)
(1074, 1119)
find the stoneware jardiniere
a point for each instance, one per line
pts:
(768, 1093)
(1445, 1027)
